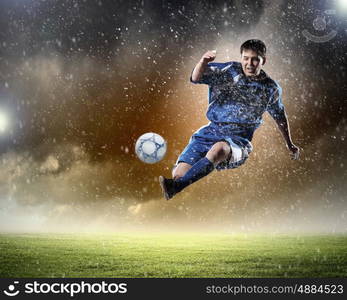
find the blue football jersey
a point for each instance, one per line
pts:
(236, 98)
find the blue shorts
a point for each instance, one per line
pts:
(238, 137)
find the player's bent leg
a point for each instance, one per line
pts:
(199, 170)
(219, 152)
(180, 170)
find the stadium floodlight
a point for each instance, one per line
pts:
(3, 122)
(342, 4)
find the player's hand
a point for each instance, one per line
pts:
(208, 56)
(294, 151)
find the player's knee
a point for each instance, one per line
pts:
(219, 152)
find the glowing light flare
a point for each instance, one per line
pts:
(3, 122)
(342, 4)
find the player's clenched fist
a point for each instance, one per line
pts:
(208, 56)
(202, 64)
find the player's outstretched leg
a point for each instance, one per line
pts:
(219, 152)
(200, 169)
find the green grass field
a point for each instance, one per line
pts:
(172, 255)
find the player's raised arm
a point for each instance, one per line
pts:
(283, 125)
(278, 113)
(201, 65)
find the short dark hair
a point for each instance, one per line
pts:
(255, 45)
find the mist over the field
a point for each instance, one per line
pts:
(81, 81)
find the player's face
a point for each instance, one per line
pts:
(251, 62)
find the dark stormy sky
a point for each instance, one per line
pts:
(81, 80)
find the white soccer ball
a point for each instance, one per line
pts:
(150, 148)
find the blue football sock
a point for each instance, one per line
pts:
(199, 170)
